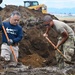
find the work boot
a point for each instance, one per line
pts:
(6, 64)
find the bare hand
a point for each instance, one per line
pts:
(45, 35)
(56, 47)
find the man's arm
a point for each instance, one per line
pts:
(64, 38)
(48, 29)
(19, 37)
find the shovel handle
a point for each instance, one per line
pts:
(55, 47)
(10, 45)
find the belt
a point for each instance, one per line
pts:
(15, 44)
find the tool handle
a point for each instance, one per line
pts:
(55, 47)
(10, 45)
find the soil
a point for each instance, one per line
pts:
(35, 50)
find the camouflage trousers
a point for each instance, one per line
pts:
(67, 51)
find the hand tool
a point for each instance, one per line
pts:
(68, 62)
(11, 48)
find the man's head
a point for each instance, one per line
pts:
(15, 17)
(47, 19)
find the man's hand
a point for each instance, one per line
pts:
(45, 35)
(10, 42)
(56, 47)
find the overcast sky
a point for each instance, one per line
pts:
(50, 3)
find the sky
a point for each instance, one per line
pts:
(49, 3)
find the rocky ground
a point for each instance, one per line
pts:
(36, 54)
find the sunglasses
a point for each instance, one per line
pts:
(46, 23)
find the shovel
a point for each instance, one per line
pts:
(8, 40)
(68, 62)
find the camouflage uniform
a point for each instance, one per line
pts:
(66, 48)
(67, 51)
(61, 28)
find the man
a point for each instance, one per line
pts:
(15, 34)
(65, 39)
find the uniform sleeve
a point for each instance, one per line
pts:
(19, 36)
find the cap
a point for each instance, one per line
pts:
(47, 18)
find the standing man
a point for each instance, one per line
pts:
(65, 39)
(15, 34)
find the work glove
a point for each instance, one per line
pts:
(10, 42)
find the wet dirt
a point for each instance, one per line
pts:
(35, 50)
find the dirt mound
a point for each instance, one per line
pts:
(35, 43)
(35, 50)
